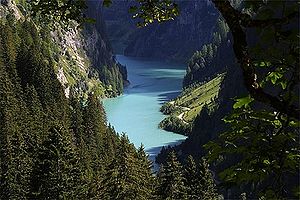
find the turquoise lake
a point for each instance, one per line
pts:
(137, 111)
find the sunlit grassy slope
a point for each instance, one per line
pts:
(191, 101)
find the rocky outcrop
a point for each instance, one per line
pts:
(83, 58)
(96, 41)
(9, 7)
(5, 2)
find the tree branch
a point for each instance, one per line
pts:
(240, 46)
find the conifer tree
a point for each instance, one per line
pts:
(192, 178)
(37, 122)
(34, 65)
(110, 144)
(146, 178)
(15, 163)
(171, 180)
(210, 52)
(204, 50)
(92, 150)
(56, 173)
(208, 186)
(121, 179)
(94, 131)
(94, 120)
(76, 120)
(9, 52)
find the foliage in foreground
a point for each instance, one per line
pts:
(261, 144)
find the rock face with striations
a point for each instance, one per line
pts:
(173, 40)
(5, 2)
(82, 57)
(97, 43)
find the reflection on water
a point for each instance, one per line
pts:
(137, 111)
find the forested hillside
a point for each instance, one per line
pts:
(58, 148)
(83, 59)
(172, 41)
(54, 147)
(239, 106)
(204, 84)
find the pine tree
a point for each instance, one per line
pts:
(208, 186)
(122, 178)
(94, 131)
(76, 116)
(146, 178)
(110, 144)
(192, 178)
(9, 52)
(56, 173)
(92, 150)
(223, 29)
(15, 163)
(204, 50)
(94, 120)
(217, 38)
(37, 121)
(210, 52)
(34, 65)
(171, 180)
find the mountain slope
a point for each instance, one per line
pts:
(83, 59)
(213, 79)
(173, 40)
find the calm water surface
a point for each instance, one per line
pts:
(137, 111)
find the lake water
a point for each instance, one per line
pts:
(137, 111)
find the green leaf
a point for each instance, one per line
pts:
(274, 76)
(283, 84)
(295, 124)
(267, 162)
(243, 102)
(263, 64)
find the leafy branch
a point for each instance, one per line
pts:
(240, 45)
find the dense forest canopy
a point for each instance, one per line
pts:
(53, 147)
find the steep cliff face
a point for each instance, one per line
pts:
(96, 41)
(83, 58)
(174, 40)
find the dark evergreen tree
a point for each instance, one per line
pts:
(94, 131)
(15, 163)
(56, 173)
(192, 178)
(208, 187)
(76, 120)
(37, 122)
(122, 178)
(199, 180)
(9, 52)
(94, 120)
(171, 180)
(34, 65)
(146, 177)
(110, 144)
